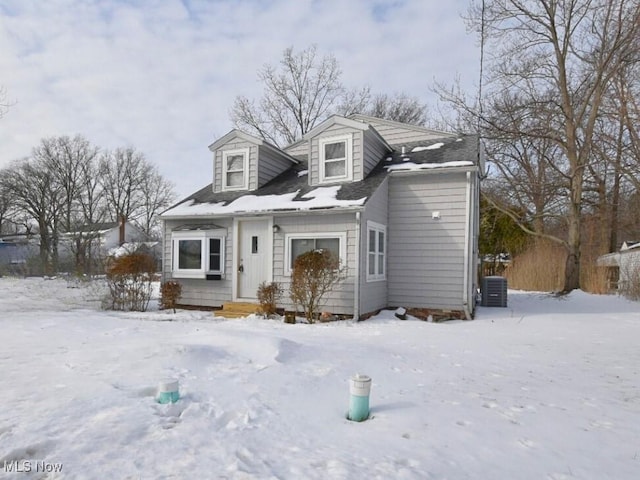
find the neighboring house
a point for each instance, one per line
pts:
(623, 267)
(105, 236)
(15, 251)
(397, 203)
(85, 248)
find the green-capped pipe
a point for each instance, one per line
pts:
(359, 388)
(168, 391)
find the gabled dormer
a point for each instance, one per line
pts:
(341, 150)
(242, 162)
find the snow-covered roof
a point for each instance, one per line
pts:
(435, 146)
(131, 247)
(408, 166)
(321, 197)
(291, 192)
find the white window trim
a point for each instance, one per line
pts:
(203, 237)
(349, 158)
(341, 236)
(378, 228)
(245, 168)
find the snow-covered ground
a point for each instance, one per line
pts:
(548, 388)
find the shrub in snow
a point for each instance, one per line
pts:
(170, 293)
(315, 273)
(268, 296)
(130, 279)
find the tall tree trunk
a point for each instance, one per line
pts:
(574, 223)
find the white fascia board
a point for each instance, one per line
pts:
(233, 134)
(332, 120)
(431, 171)
(267, 213)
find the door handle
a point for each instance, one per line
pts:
(241, 268)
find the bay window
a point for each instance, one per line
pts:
(198, 253)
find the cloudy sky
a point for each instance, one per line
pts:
(161, 75)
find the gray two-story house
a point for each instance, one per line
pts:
(397, 203)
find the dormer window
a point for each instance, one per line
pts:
(336, 159)
(235, 169)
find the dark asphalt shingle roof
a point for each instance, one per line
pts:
(454, 149)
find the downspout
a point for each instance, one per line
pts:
(356, 279)
(467, 229)
(164, 249)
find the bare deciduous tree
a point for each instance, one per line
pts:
(399, 107)
(65, 188)
(121, 172)
(36, 192)
(555, 60)
(4, 103)
(157, 194)
(304, 90)
(67, 159)
(6, 200)
(133, 187)
(297, 95)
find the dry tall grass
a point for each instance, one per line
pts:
(539, 268)
(593, 279)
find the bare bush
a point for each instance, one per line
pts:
(315, 273)
(130, 279)
(268, 296)
(170, 293)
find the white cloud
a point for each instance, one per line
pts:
(162, 75)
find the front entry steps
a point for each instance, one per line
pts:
(237, 309)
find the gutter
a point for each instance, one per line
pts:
(269, 213)
(433, 171)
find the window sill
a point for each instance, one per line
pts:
(200, 275)
(376, 279)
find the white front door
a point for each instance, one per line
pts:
(254, 256)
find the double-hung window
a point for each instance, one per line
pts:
(376, 251)
(336, 158)
(298, 243)
(198, 253)
(235, 169)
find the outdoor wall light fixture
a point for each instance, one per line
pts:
(276, 228)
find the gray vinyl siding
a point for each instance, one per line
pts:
(373, 295)
(374, 151)
(397, 135)
(341, 300)
(270, 165)
(426, 256)
(335, 131)
(298, 148)
(210, 293)
(253, 162)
